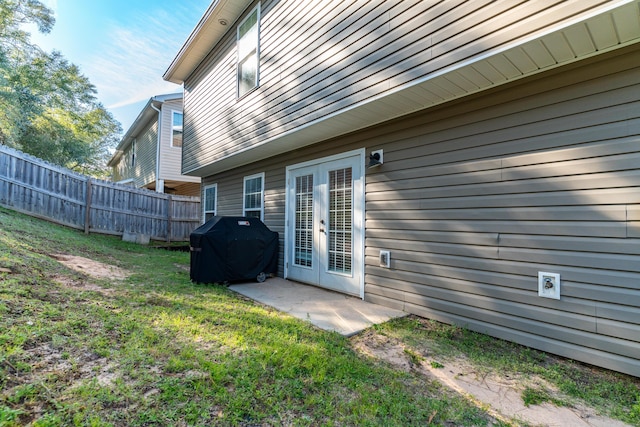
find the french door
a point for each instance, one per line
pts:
(325, 202)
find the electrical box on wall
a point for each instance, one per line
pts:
(549, 285)
(385, 259)
(376, 158)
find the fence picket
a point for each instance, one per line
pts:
(38, 188)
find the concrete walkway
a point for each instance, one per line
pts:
(325, 309)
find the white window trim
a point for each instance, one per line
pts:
(238, 59)
(244, 189)
(171, 129)
(204, 204)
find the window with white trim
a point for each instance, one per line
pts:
(176, 129)
(133, 153)
(210, 195)
(253, 196)
(248, 46)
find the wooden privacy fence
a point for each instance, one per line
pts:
(40, 189)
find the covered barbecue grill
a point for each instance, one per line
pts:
(228, 249)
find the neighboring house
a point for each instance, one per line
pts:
(507, 138)
(150, 153)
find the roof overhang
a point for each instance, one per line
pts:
(144, 117)
(215, 22)
(612, 26)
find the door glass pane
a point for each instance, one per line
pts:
(248, 42)
(304, 221)
(340, 220)
(253, 196)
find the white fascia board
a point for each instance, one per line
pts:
(217, 20)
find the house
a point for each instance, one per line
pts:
(150, 153)
(474, 162)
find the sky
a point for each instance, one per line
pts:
(122, 46)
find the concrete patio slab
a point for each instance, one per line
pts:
(325, 309)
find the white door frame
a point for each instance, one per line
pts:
(358, 211)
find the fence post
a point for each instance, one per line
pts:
(87, 211)
(169, 217)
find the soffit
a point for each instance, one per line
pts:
(204, 37)
(608, 28)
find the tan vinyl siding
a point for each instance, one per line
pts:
(473, 206)
(476, 197)
(146, 146)
(144, 170)
(123, 169)
(118, 171)
(170, 156)
(356, 51)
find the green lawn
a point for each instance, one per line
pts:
(154, 349)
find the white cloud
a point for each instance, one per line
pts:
(130, 69)
(127, 52)
(128, 66)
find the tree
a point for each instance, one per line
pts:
(18, 103)
(47, 107)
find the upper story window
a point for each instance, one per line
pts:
(249, 52)
(210, 201)
(253, 205)
(133, 153)
(176, 129)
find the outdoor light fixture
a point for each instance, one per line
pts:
(222, 21)
(375, 159)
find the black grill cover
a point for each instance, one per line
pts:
(227, 249)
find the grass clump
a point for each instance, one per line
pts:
(536, 396)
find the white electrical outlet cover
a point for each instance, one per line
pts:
(552, 292)
(385, 259)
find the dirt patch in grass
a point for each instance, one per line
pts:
(90, 267)
(501, 395)
(184, 267)
(81, 285)
(382, 347)
(47, 361)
